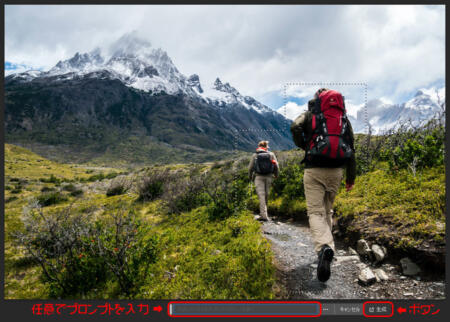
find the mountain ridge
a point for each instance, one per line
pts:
(96, 103)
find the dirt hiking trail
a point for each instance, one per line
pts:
(296, 264)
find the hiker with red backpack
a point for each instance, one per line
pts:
(326, 135)
(262, 168)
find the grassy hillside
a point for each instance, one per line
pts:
(402, 211)
(172, 254)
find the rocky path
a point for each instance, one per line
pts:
(296, 264)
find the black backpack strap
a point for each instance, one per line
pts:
(316, 109)
(320, 121)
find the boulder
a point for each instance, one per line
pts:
(378, 253)
(361, 265)
(367, 277)
(363, 248)
(409, 268)
(352, 251)
(341, 259)
(381, 274)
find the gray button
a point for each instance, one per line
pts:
(348, 309)
(378, 309)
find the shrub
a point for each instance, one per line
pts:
(417, 155)
(290, 180)
(227, 191)
(127, 248)
(96, 177)
(51, 198)
(118, 187)
(77, 255)
(111, 175)
(184, 194)
(417, 149)
(99, 176)
(69, 188)
(12, 198)
(17, 189)
(52, 179)
(47, 189)
(76, 193)
(151, 185)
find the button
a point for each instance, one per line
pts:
(378, 309)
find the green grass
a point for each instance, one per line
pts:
(397, 206)
(210, 259)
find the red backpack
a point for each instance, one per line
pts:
(329, 145)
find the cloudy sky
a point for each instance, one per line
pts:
(395, 49)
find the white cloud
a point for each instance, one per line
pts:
(291, 110)
(257, 48)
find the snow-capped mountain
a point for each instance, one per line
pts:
(137, 64)
(224, 94)
(382, 115)
(111, 103)
(78, 63)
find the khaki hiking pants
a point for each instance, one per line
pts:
(262, 186)
(321, 186)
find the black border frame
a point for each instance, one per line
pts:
(20, 310)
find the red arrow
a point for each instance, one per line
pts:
(401, 310)
(157, 308)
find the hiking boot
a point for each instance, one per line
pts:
(323, 267)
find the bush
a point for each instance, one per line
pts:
(52, 179)
(290, 180)
(69, 188)
(12, 198)
(51, 198)
(415, 149)
(17, 189)
(184, 194)
(76, 193)
(111, 175)
(77, 255)
(415, 155)
(227, 191)
(99, 176)
(96, 177)
(47, 189)
(118, 187)
(151, 185)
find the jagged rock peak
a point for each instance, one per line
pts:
(194, 82)
(227, 88)
(80, 61)
(194, 78)
(217, 83)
